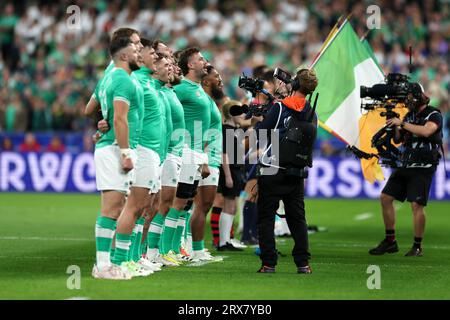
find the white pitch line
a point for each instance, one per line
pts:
(363, 216)
(363, 245)
(383, 265)
(78, 298)
(42, 258)
(45, 239)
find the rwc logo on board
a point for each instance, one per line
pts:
(75, 172)
(47, 172)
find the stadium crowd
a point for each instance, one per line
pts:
(48, 71)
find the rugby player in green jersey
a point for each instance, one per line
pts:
(93, 106)
(212, 84)
(174, 221)
(115, 154)
(145, 186)
(157, 246)
(197, 114)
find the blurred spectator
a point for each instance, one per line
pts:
(56, 145)
(6, 145)
(88, 141)
(13, 117)
(8, 21)
(53, 70)
(30, 144)
(327, 149)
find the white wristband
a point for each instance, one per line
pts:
(125, 153)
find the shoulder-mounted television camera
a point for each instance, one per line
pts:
(395, 90)
(255, 86)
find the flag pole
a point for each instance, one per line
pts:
(333, 36)
(364, 36)
(330, 35)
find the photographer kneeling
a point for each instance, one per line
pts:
(281, 176)
(421, 134)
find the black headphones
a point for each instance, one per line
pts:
(418, 95)
(295, 83)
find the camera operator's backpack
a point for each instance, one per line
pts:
(297, 144)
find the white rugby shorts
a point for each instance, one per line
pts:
(147, 169)
(108, 169)
(212, 179)
(171, 169)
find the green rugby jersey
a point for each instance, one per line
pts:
(151, 134)
(98, 87)
(176, 141)
(118, 85)
(214, 137)
(197, 112)
(166, 120)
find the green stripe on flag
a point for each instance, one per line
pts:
(335, 68)
(343, 66)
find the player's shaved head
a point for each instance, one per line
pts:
(117, 44)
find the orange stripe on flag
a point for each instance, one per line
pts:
(369, 124)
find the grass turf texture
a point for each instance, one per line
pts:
(42, 234)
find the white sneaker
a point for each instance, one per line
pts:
(203, 255)
(174, 256)
(183, 258)
(165, 261)
(112, 273)
(152, 255)
(237, 244)
(147, 264)
(134, 269)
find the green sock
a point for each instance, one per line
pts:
(155, 230)
(104, 233)
(136, 253)
(123, 243)
(170, 226)
(133, 243)
(187, 229)
(176, 241)
(198, 245)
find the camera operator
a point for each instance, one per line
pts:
(288, 182)
(421, 134)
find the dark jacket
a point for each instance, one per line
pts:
(277, 118)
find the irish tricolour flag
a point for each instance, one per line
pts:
(342, 66)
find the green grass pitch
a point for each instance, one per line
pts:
(42, 234)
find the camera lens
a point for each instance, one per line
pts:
(364, 92)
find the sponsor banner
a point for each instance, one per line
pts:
(334, 177)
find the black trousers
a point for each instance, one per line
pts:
(289, 189)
